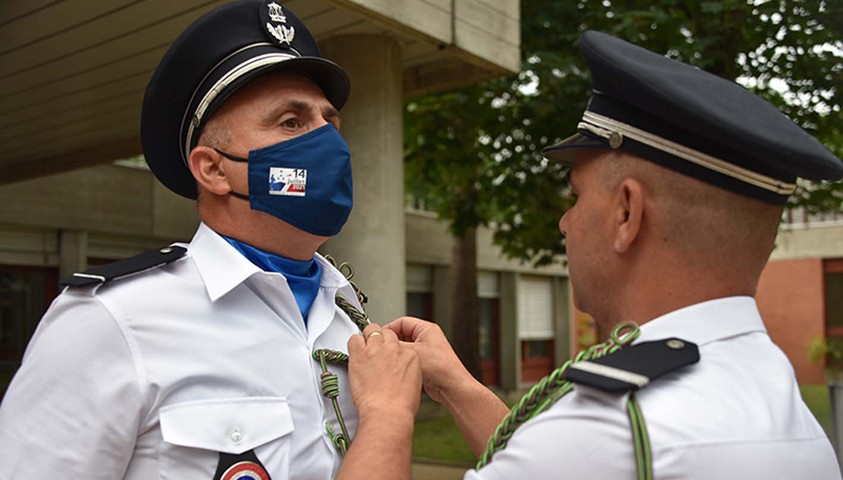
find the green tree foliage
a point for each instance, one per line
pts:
(472, 155)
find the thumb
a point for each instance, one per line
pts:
(355, 344)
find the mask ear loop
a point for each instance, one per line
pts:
(234, 158)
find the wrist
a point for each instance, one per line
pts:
(457, 391)
(389, 413)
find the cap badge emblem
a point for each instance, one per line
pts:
(276, 13)
(276, 24)
(281, 33)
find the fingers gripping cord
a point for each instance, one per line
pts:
(329, 381)
(550, 389)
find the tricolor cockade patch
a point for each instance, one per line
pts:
(245, 471)
(291, 182)
(276, 24)
(244, 466)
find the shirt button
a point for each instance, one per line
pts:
(235, 436)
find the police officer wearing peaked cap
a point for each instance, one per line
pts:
(681, 177)
(197, 361)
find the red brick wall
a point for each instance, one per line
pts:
(791, 300)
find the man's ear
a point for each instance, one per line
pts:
(628, 213)
(208, 169)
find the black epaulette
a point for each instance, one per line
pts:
(634, 367)
(122, 268)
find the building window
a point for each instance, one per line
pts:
(420, 305)
(488, 309)
(25, 294)
(535, 326)
(834, 310)
(536, 359)
(489, 336)
(420, 292)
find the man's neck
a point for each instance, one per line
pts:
(659, 291)
(267, 233)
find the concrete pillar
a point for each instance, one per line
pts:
(73, 252)
(562, 321)
(373, 239)
(510, 344)
(442, 298)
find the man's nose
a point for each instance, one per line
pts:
(563, 224)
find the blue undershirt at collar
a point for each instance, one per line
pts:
(303, 276)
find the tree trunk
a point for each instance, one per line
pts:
(464, 313)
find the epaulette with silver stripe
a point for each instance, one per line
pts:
(634, 367)
(122, 268)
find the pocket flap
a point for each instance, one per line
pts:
(232, 425)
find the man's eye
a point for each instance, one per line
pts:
(290, 123)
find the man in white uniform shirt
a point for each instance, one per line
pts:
(681, 177)
(202, 361)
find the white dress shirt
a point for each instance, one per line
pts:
(153, 376)
(737, 414)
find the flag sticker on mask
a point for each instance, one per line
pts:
(291, 182)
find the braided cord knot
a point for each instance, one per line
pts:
(339, 440)
(330, 356)
(328, 380)
(550, 389)
(330, 385)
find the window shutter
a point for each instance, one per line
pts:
(535, 308)
(419, 278)
(488, 285)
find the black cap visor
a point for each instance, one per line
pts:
(565, 151)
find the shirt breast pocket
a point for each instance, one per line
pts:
(198, 435)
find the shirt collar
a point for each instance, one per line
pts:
(223, 268)
(707, 321)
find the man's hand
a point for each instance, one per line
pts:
(386, 388)
(475, 409)
(384, 374)
(441, 368)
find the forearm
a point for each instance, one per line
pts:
(476, 410)
(382, 449)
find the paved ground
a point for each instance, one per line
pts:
(433, 471)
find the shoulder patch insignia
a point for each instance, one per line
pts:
(634, 367)
(122, 268)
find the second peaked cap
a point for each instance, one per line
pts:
(693, 122)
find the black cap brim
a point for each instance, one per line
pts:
(565, 151)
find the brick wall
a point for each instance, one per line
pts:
(791, 299)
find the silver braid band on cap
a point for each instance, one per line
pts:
(194, 120)
(614, 131)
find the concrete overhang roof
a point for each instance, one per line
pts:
(73, 72)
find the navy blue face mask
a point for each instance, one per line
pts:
(304, 181)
